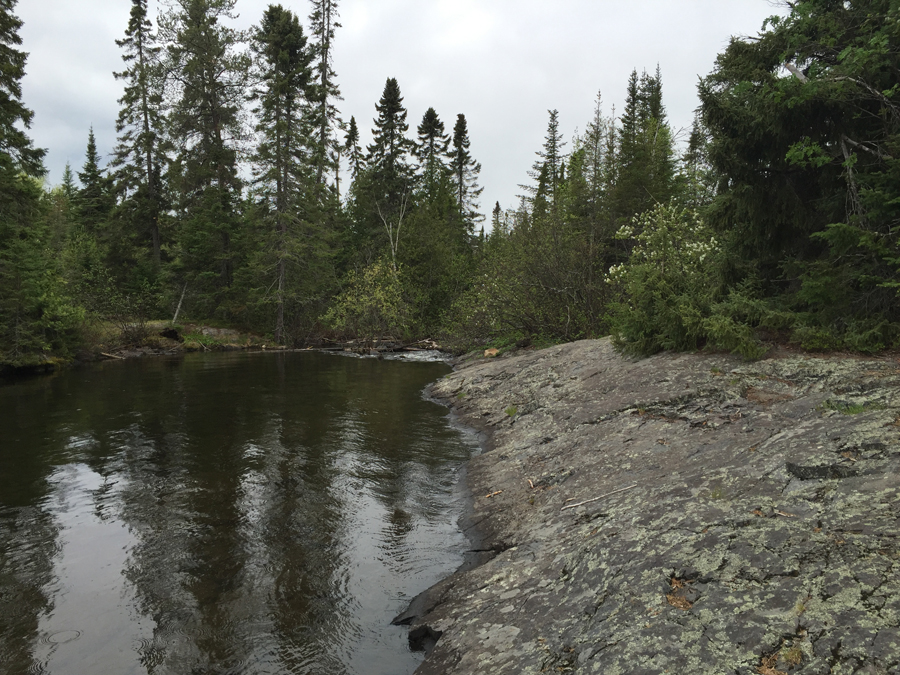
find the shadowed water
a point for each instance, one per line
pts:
(222, 513)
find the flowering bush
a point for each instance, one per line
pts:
(670, 288)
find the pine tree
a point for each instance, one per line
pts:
(646, 157)
(323, 22)
(383, 195)
(283, 173)
(389, 151)
(354, 152)
(139, 157)
(547, 169)
(432, 146)
(31, 306)
(17, 154)
(464, 171)
(70, 190)
(95, 199)
(206, 125)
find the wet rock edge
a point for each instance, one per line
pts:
(761, 536)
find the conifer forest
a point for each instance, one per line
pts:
(238, 193)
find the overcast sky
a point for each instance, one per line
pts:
(503, 63)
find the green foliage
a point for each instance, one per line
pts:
(284, 180)
(129, 311)
(432, 145)
(205, 122)
(323, 21)
(529, 283)
(36, 315)
(371, 304)
(351, 146)
(94, 200)
(672, 291)
(780, 221)
(464, 172)
(140, 154)
(846, 408)
(645, 160)
(804, 134)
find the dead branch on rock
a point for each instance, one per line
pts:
(595, 499)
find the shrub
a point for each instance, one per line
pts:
(671, 295)
(371, 303)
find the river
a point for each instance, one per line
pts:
(239, 513)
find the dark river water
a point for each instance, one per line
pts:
(223, 513)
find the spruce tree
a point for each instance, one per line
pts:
(323, 21)
(351, 146)
(95, 199)
(283, 174)
(384, 193)
(17, 154)
(496, 213)
(464, 171)
(388, 155)
(29, 298)
(431, 148)
(804, 133)
(70, 190)
(646, 157)
(139, 158)
(547, 170)
(206, 124)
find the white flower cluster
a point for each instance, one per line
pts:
(668, 238)
(616, 273)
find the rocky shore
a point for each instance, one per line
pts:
(677, 514)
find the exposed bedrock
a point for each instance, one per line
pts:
(738, 517)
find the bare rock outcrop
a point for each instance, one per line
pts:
(676, 514)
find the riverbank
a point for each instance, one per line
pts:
(682, 513)
(106, 342)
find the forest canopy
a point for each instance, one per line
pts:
(239, 193)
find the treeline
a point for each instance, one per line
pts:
(237, 193)
(779, 222)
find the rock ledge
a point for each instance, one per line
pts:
(735, 517)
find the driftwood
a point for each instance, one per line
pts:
(112, 356)
(608, 494)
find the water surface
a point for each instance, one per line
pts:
(222, 513)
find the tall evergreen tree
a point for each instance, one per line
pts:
(17, 154)
(70, 190)
(383, 194)
(351, 146)
(95, 199)
(139, 157)
(283, 171)
(210, 73)
(547, 170)
(432, 146)
(646, 157)
(599, 158)
(324, 21)
(31, 304)
(464, 172)
(388, 154)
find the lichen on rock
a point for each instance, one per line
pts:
(759, 534)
